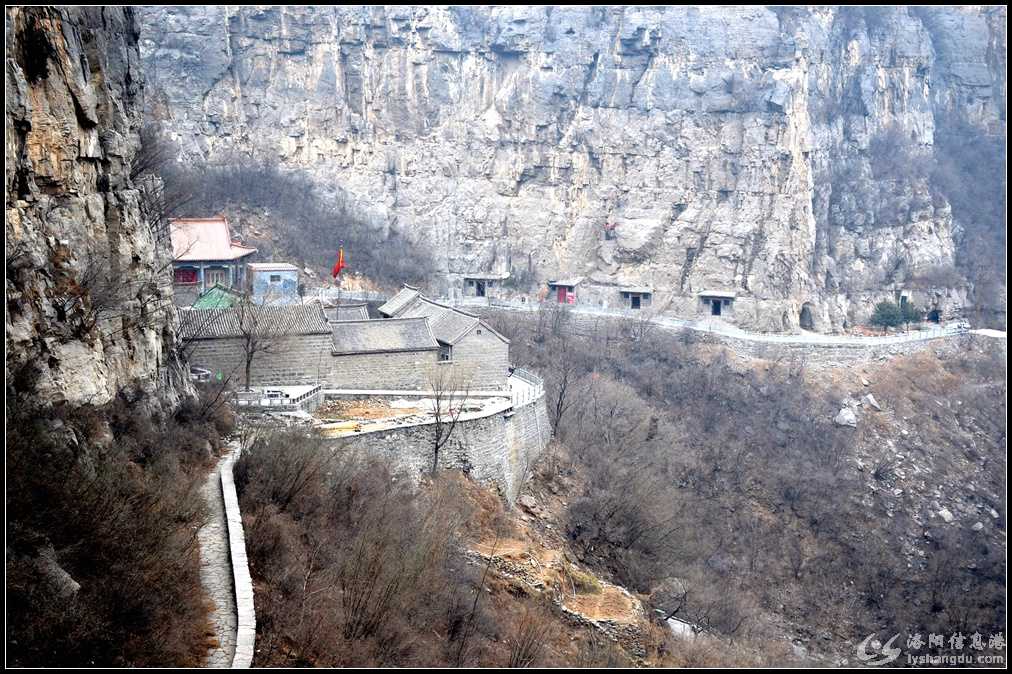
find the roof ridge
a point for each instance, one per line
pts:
(386, 320)
(448, 306)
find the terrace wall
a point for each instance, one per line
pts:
(498, 450)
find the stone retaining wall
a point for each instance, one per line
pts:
(246, 630)
(818, 354)
(499, 449)
(814, 353)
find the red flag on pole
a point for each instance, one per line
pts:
(339, 265)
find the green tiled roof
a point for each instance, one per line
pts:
(216, 297)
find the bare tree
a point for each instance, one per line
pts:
(642, 326)
(93, 294)
(450, 387)
(469, 625)
(564, 375)
(262, 330)
(551, 320)
(669, 597)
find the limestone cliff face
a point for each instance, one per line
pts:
(85, 291)
(507, 138)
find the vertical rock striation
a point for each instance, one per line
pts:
(731, 148)
(85, 288)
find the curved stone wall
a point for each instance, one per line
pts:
(499, 449)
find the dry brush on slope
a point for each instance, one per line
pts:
(103, 505)
(353, 567)
(690, 468)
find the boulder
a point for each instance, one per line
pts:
(946, 515)
(846, 417)
(870, 401)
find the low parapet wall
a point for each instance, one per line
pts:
(830, 351)
(499, 449)
(828, 355)
(246, 615)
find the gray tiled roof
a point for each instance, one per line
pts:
(347, 312)
(298, 319)
(448, 324)
(396, 305)
(392, 334)
(571, 282)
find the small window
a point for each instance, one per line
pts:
(275, 278)
(478, 331)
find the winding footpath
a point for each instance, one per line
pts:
(216, 571)
(721, 328)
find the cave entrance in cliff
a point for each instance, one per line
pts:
(935, 316)
(805, 320)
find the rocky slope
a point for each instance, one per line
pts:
(731, 148)
(85, 295)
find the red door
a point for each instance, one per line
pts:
(562, 294)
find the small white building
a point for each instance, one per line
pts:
(636, 297)
(716, 302)
(483, 285)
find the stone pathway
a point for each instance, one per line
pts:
(216, 572)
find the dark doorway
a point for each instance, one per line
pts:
(805, 319)
(715, 306)
(635, 301)
(935, 316)
(479, 288)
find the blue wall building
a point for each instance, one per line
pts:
(274, 282)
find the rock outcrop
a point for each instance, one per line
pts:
(86, 282)
(725, 148)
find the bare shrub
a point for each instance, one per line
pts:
(529, 635)
(356, 566)
(102, 563)
(731, 479)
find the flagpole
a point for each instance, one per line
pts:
(338, 280)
